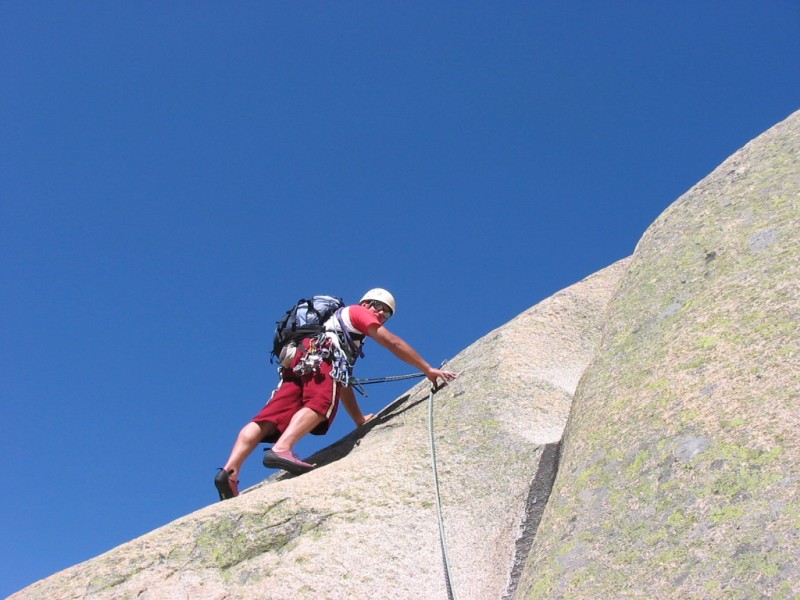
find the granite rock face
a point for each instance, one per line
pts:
(364, 525)
(680, 469)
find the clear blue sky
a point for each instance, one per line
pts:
(173, 175)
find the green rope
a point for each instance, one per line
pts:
(387, 379)
(451, 594)
(358, 383)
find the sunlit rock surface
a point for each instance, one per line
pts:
(680, 471)
(364, 525)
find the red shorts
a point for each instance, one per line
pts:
(317, 391)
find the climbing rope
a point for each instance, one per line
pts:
(390, 378)
(451, 594)
(357, 383)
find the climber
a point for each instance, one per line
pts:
(314, 376)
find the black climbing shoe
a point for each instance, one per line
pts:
(228, 488)
(288, 461)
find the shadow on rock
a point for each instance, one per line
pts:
(344, 446)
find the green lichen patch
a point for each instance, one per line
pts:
(681, 456)
(231, 539)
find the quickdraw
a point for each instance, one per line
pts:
(311, 360)
(341, 370)
(319, 350)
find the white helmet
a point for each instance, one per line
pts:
(380, 295)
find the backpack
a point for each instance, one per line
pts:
(304, 319)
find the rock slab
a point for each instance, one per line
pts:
(364, 524)
(680, 464)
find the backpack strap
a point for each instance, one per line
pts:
(355, 349)
(310, 308)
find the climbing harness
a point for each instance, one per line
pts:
(320, 320)
(451, 593)
(311, 360)
(323, 349)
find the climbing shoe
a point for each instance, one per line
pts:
(288, 461)
(226, 486)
